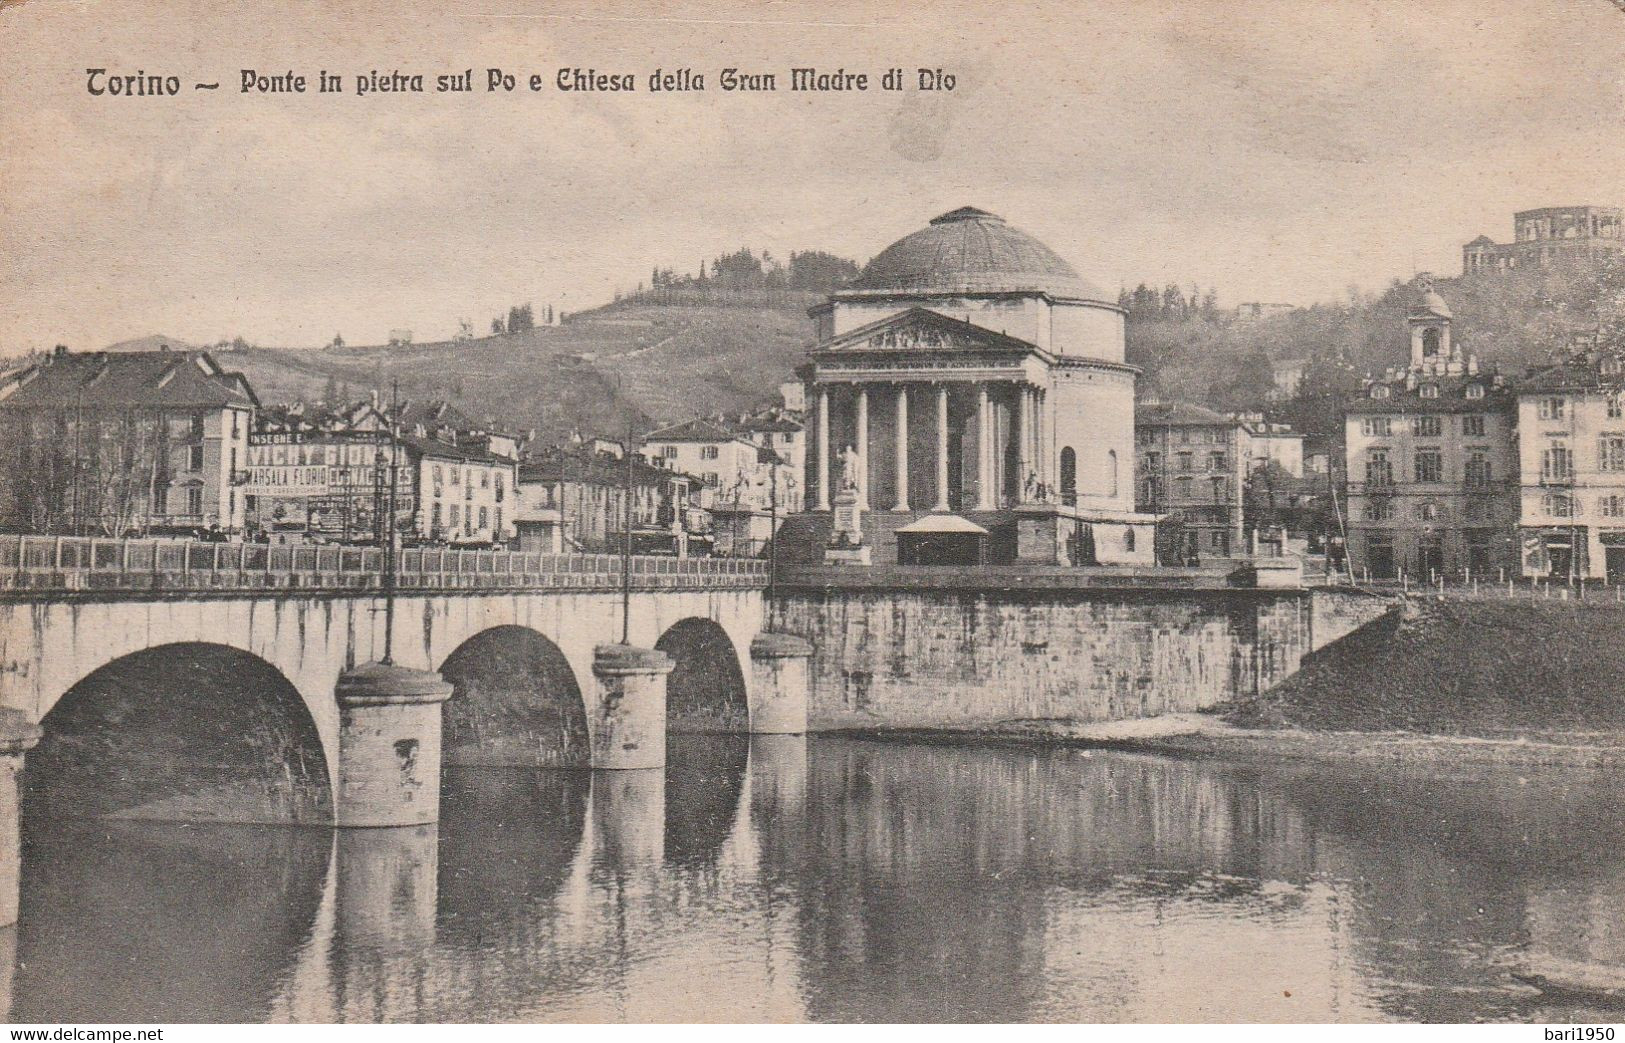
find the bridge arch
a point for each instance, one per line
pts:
(706, 690)
(187, 731)
(516, 701)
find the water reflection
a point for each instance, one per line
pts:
(784, 878)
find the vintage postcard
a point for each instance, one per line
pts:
(812, 512)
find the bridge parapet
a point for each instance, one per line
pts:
(66, 564)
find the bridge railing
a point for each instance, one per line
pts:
(69, 563)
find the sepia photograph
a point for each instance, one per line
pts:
(670, 512)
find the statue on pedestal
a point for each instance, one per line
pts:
(849, 469)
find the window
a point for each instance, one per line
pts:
(1069, 475)
(788, 438)
(1616, 406)
(456, 514)
(1379, 470)
(197, 426)
(1216, 461)
(1182, 488)
(1219, 542)
(233, 467)
(1153, 461)
(1377, 426)
(1477, 472)
(1556, 464)
(1612, 506)
(438, 513)
(668, 452)
(711, 479)
(1475, 390)
(485, 479)
(1430, 391)
(708, 452)
(1185, 461)
(1218, 489)
(1111, 472)
(1128, 537)
(160, 500)
(437, 475)
(501, 488)
(1430, 344)
(1551, 408)
(236, 424)
(456, 478)
(496, 521)
(485, 517)
(1472, 426)
(194, 459)
(1611, 453)
(194, 501)
(1379, 510)
(1559, 505)
(1379, 391)
(1427, 511)
(1426, 427)
(1429, 465)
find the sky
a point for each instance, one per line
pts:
(1277, 151)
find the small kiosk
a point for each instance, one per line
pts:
(942, 539)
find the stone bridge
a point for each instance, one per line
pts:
(244, 683)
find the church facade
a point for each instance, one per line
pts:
(970, 376)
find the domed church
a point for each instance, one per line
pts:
(969, 402)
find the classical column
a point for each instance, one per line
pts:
(1041, 436)
(902, 447)
(942, 448)
(984, 450)
(823, 449)
(862, 440)
(1024, 454)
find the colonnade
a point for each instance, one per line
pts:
(1024, 432)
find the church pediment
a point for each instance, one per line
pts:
(920, 330)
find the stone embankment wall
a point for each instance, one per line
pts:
(944, 658)
(1471, 666)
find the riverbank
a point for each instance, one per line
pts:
(1210, 735)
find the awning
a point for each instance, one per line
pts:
(942, 523)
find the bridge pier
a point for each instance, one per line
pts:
(779, 681)
(629, 714)
(389, 746)
(17, 736)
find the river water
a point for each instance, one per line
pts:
(839, 879)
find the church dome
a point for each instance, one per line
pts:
(972, 251)
(1430, 303)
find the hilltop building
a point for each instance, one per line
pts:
(145, 442)
(1431, 461)
(969, 371)
(1549, 236)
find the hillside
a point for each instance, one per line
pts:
(653, 362)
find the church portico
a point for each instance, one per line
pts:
(932, 406)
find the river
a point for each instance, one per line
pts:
(847, 879)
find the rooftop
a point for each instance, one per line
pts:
(142, 379)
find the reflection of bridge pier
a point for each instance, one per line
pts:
(384, 904)
(629, 818)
